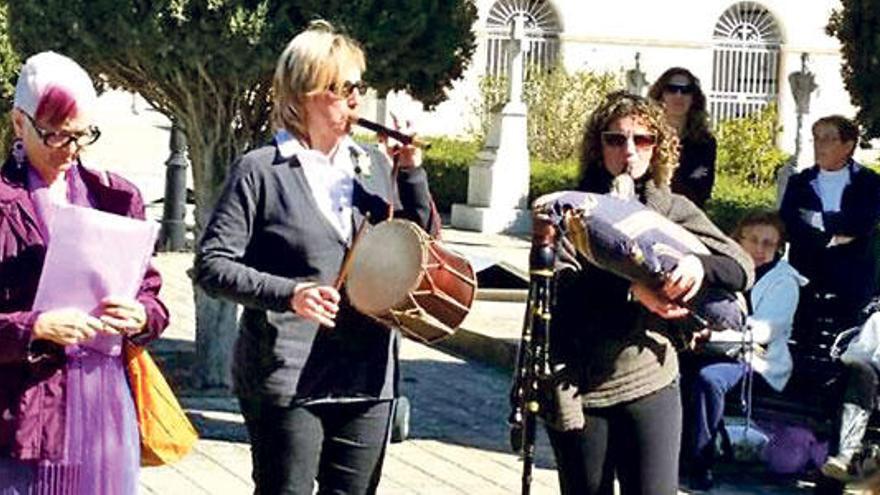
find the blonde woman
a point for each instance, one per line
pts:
(315, 378)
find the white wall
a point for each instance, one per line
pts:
(600, 35)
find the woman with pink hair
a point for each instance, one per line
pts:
(67, 419)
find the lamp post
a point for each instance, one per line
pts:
(173, 233)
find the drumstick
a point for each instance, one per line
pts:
(346, 262)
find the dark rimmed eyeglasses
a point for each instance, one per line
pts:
(619, 139)
(55, 139)
(682, 89)
(349, 87)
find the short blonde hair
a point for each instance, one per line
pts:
(616, 106)
(314, 60)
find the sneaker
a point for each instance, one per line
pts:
(837, 469)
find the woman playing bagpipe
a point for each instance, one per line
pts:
(612, 339)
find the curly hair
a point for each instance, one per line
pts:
(621, 104)
(697, 125)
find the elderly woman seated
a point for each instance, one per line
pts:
(773, 301)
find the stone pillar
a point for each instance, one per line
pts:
(635, 79)
(498, 182)
(803, 83)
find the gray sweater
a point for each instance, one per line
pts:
(612, 348)
(265, 236)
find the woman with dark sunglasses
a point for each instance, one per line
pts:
(315, 378)
(614, 340)
(684, 104)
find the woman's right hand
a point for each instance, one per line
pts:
(318, 303)
(66, 326)
(657, 302)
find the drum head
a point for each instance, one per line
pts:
(386, 265)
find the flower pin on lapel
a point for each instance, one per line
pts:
(362, 165)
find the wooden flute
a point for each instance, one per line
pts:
(404, 139)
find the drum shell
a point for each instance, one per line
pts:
(439, 296)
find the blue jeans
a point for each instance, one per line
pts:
(710, 386)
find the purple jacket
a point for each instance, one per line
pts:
(32, 381)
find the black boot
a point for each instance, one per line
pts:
(701, 477)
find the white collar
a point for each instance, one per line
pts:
(288, 146)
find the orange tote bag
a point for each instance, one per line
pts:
(166, 433)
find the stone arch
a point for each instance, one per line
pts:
(746, 49)
(542, 24)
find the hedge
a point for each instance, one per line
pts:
(448, 160)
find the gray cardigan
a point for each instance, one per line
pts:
(613, 350)
(264, 237)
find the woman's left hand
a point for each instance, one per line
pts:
(405, 156)
(685, 280)
(123, 315)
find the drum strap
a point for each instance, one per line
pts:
(346, 262)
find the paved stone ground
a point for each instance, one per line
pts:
(458, 438)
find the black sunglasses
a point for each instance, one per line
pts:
(682, 89)
(618, 139)
(54, 139)
(348, 87)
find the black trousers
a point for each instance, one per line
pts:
(639, 441)
(341, 445)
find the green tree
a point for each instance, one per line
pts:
(747, 147)
(856, 24)
(9, 63)
(207, 65)
(559, 104)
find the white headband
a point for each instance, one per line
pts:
(49, 69)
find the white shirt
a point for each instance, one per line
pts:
(831, 185)
(330, 177)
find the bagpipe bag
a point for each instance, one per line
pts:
(637, 243)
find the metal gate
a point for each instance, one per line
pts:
(745, 62)
(542, 34)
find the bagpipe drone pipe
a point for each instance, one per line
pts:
(637, 243)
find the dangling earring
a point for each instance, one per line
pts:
(18, 152)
